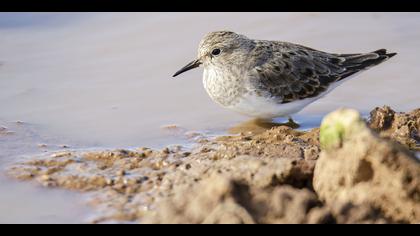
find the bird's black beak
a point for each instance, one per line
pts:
(191, 65)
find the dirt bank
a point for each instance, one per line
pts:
(263, 177)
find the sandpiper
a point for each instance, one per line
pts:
(267, 79)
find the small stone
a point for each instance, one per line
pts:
(170, 127)
(109, 181)
(142, 179)
(192, 134)
(148, 152)
(121, 173)
(61, 154)
(166, 150)
(45, 178)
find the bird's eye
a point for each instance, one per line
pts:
(215, 52)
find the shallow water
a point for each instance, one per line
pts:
(27, 202)
(104, 79)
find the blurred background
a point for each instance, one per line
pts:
(104, 80)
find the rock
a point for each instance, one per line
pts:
(213, 201)
(348, 213)
(381, 118)
(285, 205)
(358, 167)
(401, 127)
(61, 154)
(220, 199)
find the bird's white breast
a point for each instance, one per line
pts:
(224, 88)
(262, 107)
(237, 95)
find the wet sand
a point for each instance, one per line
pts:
(146, 185)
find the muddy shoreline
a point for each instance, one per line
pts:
(346, 171)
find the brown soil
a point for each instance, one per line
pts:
(251, 177)
(401, 127)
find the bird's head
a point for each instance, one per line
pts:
(220, 49)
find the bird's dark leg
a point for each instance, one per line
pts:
(291, 123)
(267, 123)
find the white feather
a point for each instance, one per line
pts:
(262, 107)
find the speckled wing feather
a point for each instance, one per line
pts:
(289, 72)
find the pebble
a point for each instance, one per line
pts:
(109, 181)
(192, 134)
(121, 173)
(61, 154)
(173, 126)
(166, 150)
(45, 178)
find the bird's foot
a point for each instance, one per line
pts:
(291, 123)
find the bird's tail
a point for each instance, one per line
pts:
(364, 61)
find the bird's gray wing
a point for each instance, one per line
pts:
(289, 72)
